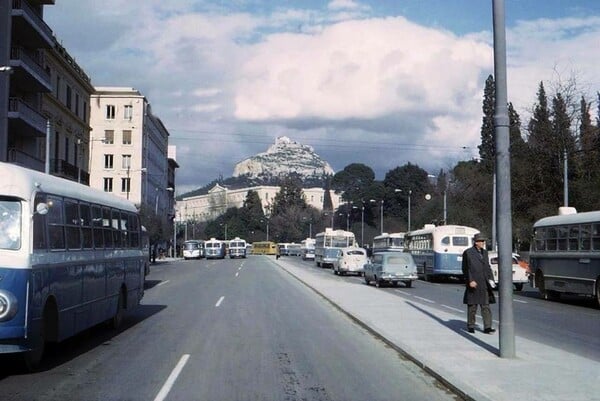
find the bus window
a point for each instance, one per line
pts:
(97, 223)
(56, 229)
(39, 226)
(86, 226)
(72, 221)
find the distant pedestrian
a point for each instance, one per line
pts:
(154, 253)
(477, 272)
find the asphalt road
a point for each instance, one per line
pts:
(225, 330)
(571, 324)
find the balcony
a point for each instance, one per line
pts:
(21, 158)
(28, 76)
(64, 169)
(28, 27)
(24, 120)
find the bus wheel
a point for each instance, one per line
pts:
(33, 358)
(378, 282)
(117, 319)
(519, 286)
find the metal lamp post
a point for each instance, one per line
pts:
(380, 213)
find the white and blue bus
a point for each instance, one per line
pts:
(565, 254)
(437, 250)
(214, 249)
(329, 243)
(193, 249)
(386, 242)
(71, 257)
(237, 248)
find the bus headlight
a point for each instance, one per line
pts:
(8, 305)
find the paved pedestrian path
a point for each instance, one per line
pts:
(468, 363)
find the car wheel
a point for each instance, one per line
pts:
(408, 284)
(367, 281)
(395, 283)
(378, 283)
(519, 286)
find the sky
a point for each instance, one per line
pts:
(378, 82)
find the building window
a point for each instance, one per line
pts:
(77, 104)
(110, 111)
(84, 112)
(127, 137)
(109, 137)
(58, 87)
(125, 184)
(128, 112)
(69, 95)
(108, 181)
(126, 161)
(108, 161)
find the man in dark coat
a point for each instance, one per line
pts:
(477, 272)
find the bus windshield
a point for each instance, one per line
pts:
(10, 224)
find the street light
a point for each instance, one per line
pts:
(128, 183)
(409, 192)
(169, 189)
(381, 212)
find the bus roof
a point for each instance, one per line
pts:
(450, 229)
(24, 183)
(577, 218)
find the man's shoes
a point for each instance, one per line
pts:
(489, 330)
(471, 330)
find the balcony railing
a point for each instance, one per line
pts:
(21, 158)
(19, 109)
(64, 169)
(20, 5)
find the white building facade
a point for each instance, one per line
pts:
(208, 207)
(129, 151)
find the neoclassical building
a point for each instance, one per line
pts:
(219, 199)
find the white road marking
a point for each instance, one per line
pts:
(164, 391)
(425, 299)
(219, 302)
(162, 282)
(237, 274)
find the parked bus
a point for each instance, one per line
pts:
(565, 254)
(237, 248)
(193, 249)
(264, 248)
(437, 250)
(328, 244)
(214, 249)
(307, 249)
(71, 257)
(289, 249)
(388, 242)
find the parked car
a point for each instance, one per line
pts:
(520, 269)
(350, 260)
(391, 268)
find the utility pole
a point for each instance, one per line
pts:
(503, 194)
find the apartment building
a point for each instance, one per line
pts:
(129, 152)
(24, 79)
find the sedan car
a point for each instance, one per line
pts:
(391, 268)
(350, 260)
(520, 271)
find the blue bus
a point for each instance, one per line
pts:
(215, 249)
(71, 257)
(387, 242)
(437, 250)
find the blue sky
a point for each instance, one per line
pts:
(376, 82)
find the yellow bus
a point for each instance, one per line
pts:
(264, 248)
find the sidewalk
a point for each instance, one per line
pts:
(468, 363)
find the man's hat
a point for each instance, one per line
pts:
(479, 237)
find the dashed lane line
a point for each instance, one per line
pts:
(166, 388)
(219, 302)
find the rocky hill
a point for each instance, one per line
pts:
(284, 158)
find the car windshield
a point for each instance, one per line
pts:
(356, 252)
(10, 224)
(399, 260)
